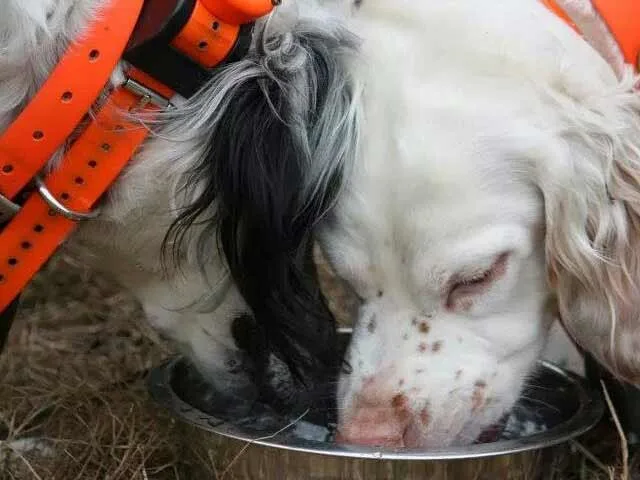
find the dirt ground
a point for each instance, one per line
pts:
(73, 405)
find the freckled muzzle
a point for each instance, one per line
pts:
(383, 416)
(417, 381)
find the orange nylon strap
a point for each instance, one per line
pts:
(238, 12)
(205, 38)
(214, 26)
(67, 95)
(623, 19)
(87, 170)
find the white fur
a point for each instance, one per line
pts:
(475, 140)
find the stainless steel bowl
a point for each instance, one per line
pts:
(557, 407)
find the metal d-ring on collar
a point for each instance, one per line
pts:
(58, 207)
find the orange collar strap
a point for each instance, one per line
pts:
(33, 231)
(30, 141)
(622, 17)
(36, 229)
(86, 172)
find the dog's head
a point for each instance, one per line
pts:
(497, 184)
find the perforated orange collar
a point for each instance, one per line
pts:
(55, 201)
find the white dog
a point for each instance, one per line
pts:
(470, 168)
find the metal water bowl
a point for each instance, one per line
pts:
(558, 407)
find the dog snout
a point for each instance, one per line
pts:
(377, 417)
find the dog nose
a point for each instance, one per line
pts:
(371, 426)
(376, 419)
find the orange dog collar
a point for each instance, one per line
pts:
(54, 204)
(622, 17)
(30, 141)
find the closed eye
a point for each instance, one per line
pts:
(478, 279)
(464, 287)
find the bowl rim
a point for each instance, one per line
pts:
(588, 414)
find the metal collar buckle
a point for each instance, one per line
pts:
(147, 96)
(9, 209)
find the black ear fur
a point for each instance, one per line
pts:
(287, 112)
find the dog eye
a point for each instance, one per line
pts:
(477, 279)
(467, 286)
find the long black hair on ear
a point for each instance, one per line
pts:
(282, 134)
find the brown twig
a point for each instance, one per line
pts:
(623, 437)
(268, 437)
(26, 462)
(590, 456)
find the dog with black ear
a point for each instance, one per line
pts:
(211, 224)
(282, 128)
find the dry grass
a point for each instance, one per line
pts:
(72, 398)
(73, 405)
